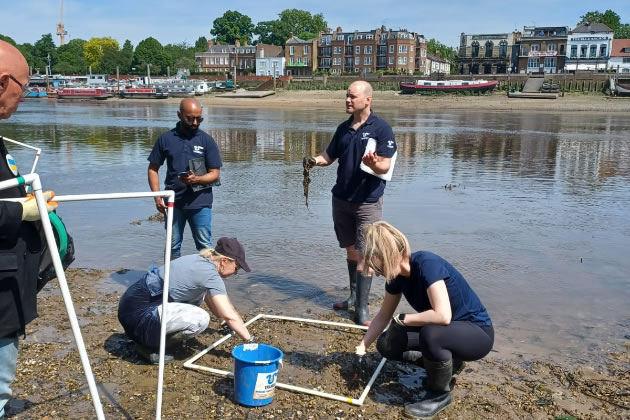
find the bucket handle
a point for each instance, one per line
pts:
(267, 362)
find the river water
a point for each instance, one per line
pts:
(537, 216)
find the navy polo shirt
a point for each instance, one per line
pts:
(348, 146)
(177, 149)
(428, 268)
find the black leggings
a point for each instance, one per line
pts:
(461, 340)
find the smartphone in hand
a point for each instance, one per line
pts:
(183, 174)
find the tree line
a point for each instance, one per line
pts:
(104, 55)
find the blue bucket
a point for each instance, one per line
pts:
(255, 373)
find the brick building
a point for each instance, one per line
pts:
(543, 49)
(300, 56)
(227, 58)
(361, 52)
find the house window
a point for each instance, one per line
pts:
(337, 50)
(350, 38)
(402, 60)
(550, 62)
(335, 70)
(305, 49)
(626, 60)
(503, 49)
(551, 47)
(402, 49)
(367, 61)
(357, 61)
(325, 62)
(339, 37)
(299, 59)
(602, 50)
(291, 50)
(391, 60)
(356, 69)
(367, 49)
(535, 47)
(367, 70)
(369, 36)
(357, 50)
(489, 46)
(475, 49)
(573, 51)
(221, 60)
(391, 49)
(336, 61)
(593, 51)
(532, 63)
(291, 60)
(583, 51)
(209, 60)
(359, 36)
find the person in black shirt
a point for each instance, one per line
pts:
(450, 324)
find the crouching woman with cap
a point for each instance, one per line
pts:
(193, 279)
(450, 326)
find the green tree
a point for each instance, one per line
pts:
(232, 26)
(8, 39)
(435, 47)
(608, 18)
(95, 49)
(126, 57)
(187, 63)
(42, 49)
(201, 44)
(27, 51)
(291, 21)
(622, 31)
(70, 58)
(150, 51)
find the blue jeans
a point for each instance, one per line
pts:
(8, 362)
(199, 221)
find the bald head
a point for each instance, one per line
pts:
(189, 105)
(362, 86)
(13, 65)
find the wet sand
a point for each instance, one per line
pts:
(320, 99)
(50, 383)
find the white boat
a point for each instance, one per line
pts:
(448, 86)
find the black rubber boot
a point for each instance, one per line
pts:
(438, 395)
(415, 357)
(352, 274)
(152, 356)
(361, 310)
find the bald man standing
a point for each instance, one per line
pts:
(20, 243)
(357, 194)
(180, 146)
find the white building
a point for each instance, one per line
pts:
(269, 66)
(588, 47)
(620, 56)
(435, 64)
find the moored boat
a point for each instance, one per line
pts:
(144, 93)
(37, 92)
(83, 93)
(448, 86)
(181, 91)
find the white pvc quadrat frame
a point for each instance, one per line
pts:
(190, 363)
(38, 151)
(34, 181)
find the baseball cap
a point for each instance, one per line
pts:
(231, 247)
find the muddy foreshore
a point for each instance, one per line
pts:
(50, 382)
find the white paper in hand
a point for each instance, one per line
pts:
(371, 147)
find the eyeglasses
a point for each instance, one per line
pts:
(190, 120)
(25, 89)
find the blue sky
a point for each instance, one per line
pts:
(185, 20)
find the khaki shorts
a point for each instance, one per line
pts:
(350, 218)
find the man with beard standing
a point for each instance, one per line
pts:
(182, 146)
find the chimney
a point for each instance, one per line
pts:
(210, 44)
(218, 42)
(245, 43)
(237, 43)
(262, 52)
(339, 29)
(290, 35)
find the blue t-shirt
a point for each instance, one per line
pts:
(177, 149)
(348, 146)
(428, 268)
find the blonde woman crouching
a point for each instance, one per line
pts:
(450, 324)
(193, 279)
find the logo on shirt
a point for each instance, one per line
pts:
(365, 136)
(12, 165)
(390, 144)
(198, 149)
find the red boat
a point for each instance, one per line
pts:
(448, 86)
(82, 93)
